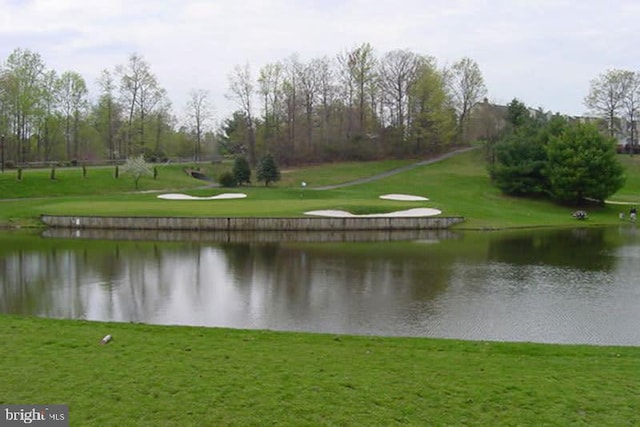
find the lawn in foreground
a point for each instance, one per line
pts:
(160, 375)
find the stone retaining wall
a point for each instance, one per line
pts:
(247, 224)
(251, 236)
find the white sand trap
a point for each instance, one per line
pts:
(408, 213)
(404, 197)
(178, 196)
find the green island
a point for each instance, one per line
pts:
(169, 375)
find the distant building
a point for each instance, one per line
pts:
(625, 135)
(488, 122)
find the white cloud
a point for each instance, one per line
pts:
(543, 52)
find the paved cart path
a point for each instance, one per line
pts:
(394, 171)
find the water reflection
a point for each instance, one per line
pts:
(572, 286)
(582, 248)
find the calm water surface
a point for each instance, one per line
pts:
(560, 286)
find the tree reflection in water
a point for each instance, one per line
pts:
(525, 285)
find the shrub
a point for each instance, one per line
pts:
(227, 179)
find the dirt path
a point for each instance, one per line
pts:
(394, 171)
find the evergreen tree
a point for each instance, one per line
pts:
(241, 171)
(582, 164)
(521, 158)
(268, 170)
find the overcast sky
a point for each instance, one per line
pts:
(543, 52)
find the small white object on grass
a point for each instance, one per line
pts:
(106, 339)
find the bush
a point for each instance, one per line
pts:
(227, 179)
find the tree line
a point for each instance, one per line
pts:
(47, 116)
(355, 105)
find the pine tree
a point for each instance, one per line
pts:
(268, 170)
(241, 171)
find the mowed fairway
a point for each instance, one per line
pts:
(458, 186)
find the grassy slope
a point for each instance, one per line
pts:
(459, 186)
(156, 375)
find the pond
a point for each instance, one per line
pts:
(556, 286)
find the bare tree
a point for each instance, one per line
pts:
(308, 76)
(242, 91)
(199, 112)
(327, 89)
(357, 72)
(270, 88)
(140, 92)
(150, 96)
(290, 91)
(466, 87)
(398, 71)
(606, 97)
(630, 104)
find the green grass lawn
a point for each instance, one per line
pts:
(163, 375)
(160, 375)
(459, 186)
(631, 191)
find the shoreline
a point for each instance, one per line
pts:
(251, 223)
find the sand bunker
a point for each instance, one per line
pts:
(178, 196)
(417, 212)
(404, 197)
(408, 213)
